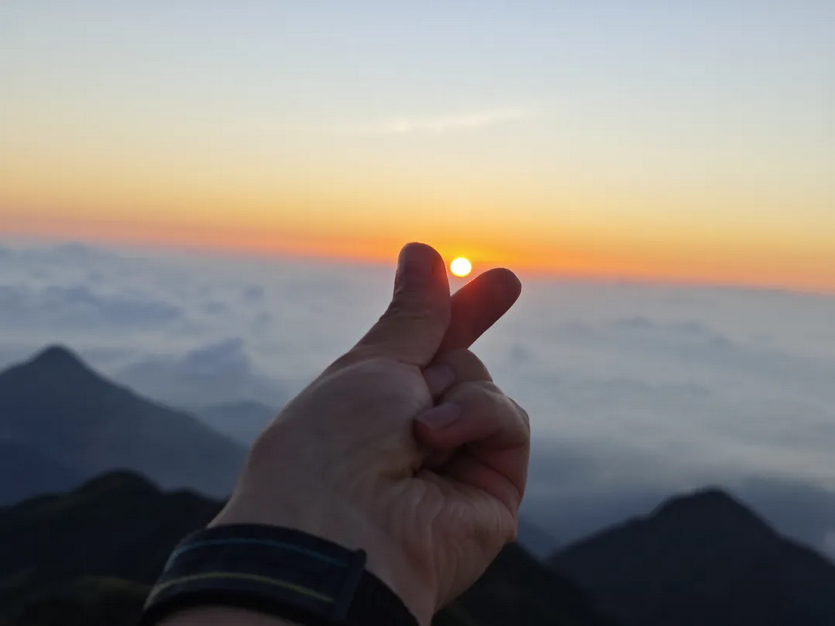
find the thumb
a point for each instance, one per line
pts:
(413, 326)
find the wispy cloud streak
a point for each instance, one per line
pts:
(405, 125)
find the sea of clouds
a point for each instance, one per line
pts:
(635, 392)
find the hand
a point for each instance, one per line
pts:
(403, 447)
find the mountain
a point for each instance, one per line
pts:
(519, 589)
(30, 472)
(240, 421)
(535, 540)
(62, 410)
(88, 557)
(702, 559)
(113, 534)
(86, 601)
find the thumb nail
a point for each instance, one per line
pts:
(415, 266)
(441, 415)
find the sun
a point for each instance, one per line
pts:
(461, 267)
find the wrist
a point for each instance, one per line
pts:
(348, 529)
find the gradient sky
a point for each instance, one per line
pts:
(671, 140)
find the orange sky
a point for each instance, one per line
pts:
(599, 255)
(565, 144)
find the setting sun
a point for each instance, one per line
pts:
(461, 267)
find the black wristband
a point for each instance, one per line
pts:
(280, 571)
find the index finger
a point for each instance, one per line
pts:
(478, 305)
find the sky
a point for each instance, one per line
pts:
(660, 141)
(636, 391)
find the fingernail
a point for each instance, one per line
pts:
(438, 378)
(415, 265)
(441, 416)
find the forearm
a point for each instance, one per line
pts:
(223, 616)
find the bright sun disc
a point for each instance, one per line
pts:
(461, 267)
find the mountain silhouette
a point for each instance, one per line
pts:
(28, 472)
(535, 540)
(700, 559)
(116, 527)
(60, 409)
(88, 557)
(519, 589)
(240, 421)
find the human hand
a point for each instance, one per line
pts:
(402, 447)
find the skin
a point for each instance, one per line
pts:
(404, 447)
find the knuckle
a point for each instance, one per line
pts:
(524, 418)
(521, 411)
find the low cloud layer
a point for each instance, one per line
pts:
(635, 392)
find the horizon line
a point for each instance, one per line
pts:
(530, 271)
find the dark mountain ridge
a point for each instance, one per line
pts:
(116, 527)
(90, 556)
(699, 559)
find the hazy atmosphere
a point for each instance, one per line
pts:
(203, 202)
(635, 392)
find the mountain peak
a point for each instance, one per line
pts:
(709, 497)
(57, 356)
(53, 368)
(56, 362)
(64, 409)
(711, 506)
(124, 480)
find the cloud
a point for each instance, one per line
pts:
(437, 125)
(579, 488)
(210, 374)
(253, 293)
(60, 307)
(635, 392)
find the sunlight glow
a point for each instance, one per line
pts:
(461, 267)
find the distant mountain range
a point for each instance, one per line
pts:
(88, 556)
(27, 472)
(240, 421)
(58, 411)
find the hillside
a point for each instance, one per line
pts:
(518, 589)
(31, 473)
(703, 559)
(58, 408)
(115, 527)
(89, 556)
